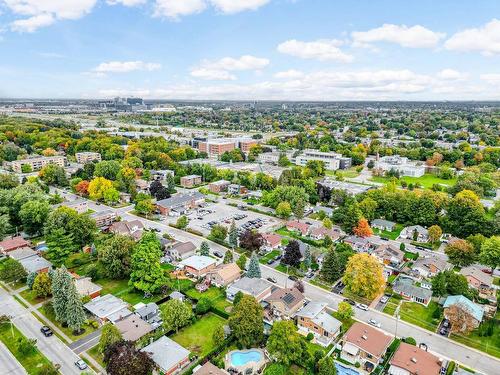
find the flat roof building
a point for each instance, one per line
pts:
(37, 163)
(87, 157)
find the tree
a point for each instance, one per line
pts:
(242, 261)
(344, 311)
(82, 187)
(146, 272)
(109, 335)
(465, 215)
(435, 233)
(31, 279)
(251, 240)
(461, 319)
(218, 336)
(12, 270)
(81, 227)
(368, 207)
(307, 257)
(158, 191)
(98, 187)
(363, 228)
(107, 169)
(53, 174)
(205, 248)
(115, 256)
(75, 314)
(123, 358)
(246, 322)
(203, 305)
(111, 196)
(327, 223)
(26, 346)
(285, 343)
(326, 366)
(42, 285)
(292, 254)
(335, 262)
(145, 207)
(60, 285)
(228, 257)
(182, 222)
(460, 253)
(254, 267)
(218, 233)
(175, 314)
(363, 276)
(299, 209)
(33, 216)
(233, 235)
(283, 210)
(490, 252)
(60, 246)
(5, 226)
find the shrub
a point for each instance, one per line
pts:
(309, 336)
(410, 340)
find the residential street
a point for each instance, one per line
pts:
(9, 363)
(52, 347)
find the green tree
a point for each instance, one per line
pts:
(228, 257)
(435, 233)
(75, 314)
(307, 258)
(327, 223)
(111, 196)
(254, 267)
(108, 169)
(285, 343)
(12, 270)
(109, 335)
(326, 366)
(115, 256)
(61, 281)
(81, 227)
(60, 246)
(465, 215)
(233, 235)
(246, 322)
(26, 346)
(205, 248)
(175, 314)
(182, 222)
(218, 232)
(5, 226)
(146, 272)
(31, 279)
(242, 261)
(145, 207)
(33, 216)
(344, 311)
(460, 253)
(53, 174)
(368, 207)
(218, 336)
(42, 285)
(203, 305)
(283, 210)
(490, 252)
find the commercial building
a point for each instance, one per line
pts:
(273, 157)
(179, 203)
(37, 163)
(190, 181)
(87, 157)
(332, 160)
(400, 165)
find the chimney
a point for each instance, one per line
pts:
(364, 337)
(413, 359)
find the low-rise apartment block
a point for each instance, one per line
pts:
(190, 181)
(87, 157)
(37, 163)
(332, 160)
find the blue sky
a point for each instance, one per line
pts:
(250, 49)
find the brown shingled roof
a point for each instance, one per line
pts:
(416, 360)
(368, 339)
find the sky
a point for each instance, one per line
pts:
(251, 49)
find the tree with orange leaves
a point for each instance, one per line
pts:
(82, 187)
(363, 228)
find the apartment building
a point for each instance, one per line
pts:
(332, 160)
(401, 165)
(87, 157)
(217, 147)
(38, 163)
(273, 157)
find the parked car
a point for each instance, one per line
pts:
(218, 254)
(374, 323)
(81, 364)
(272, 279)
(46, 331)
(350, 301)
(293, 277)
(270, 261)
(384, 299)
(362, 306)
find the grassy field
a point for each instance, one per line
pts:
(216, 295)
(32, 362)
(197, 338)
(420, 315)
(48, 312)
(269, 256)
(389, 234)
(426, 181)
(487, 343)
(347, 173)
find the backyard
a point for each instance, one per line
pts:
(197, 337)
(389, 234)
(216, 295)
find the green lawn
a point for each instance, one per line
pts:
(31, 297)
(269, 256)
(426, 181)
(32, 362)
(197, 337)
(420, 315)
(121, 289)
(346, 173)
(346, 323)
(94, 353)
(212, 293)
(389, 234)
(487, 343)
(47, 311)
(287, 233)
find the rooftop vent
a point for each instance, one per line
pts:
(413, 359)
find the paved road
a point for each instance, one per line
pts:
(442, 346)
(8, 363)
(86, 343)
(52, 347)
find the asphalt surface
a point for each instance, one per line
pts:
(8, 363)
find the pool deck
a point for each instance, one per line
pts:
(251, 367)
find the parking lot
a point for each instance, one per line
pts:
(219, 213)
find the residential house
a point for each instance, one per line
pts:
(272, 241)
(224, 274)
(313, 318)
(383, 224)
(149, 313)
(108, 307)
(358, 244)
(182, 250)
(9, 244)
(472, 308)
(218, 186)
(190, 181)
(198, 265)
(320, 232)
(132, 327)
(169, 357)
(327, 210)
(415, 233)
(389, 255)
(257, 288)
(85, 286)
(283, 303)
(297, 226)
(179, 203)
(364, 344)
(177, 295)
(209, 369)
(410, 291)
(429, 266)
(35, 264)
(412, 360)
(79, 205)
(161, 175)
(132, 228)
(104, 218)
(479, 280)
(22, 253)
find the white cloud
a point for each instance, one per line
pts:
(485, 39)
(323, 50)
(42, 13)
(235, 6)
(219, 69)
(451, 75)
(125, 66)
(491, 78)
(413, 37)
(176, 8)
(289, 74)
(127, 3)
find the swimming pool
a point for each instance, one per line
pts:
(242, 358)
(342, 370)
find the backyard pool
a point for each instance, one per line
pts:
(241, 358)
(343, 370)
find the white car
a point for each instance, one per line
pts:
(373, 322)
(81, 364)
(362, 306)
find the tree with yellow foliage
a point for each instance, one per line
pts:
(98, 187)
(363, 276)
